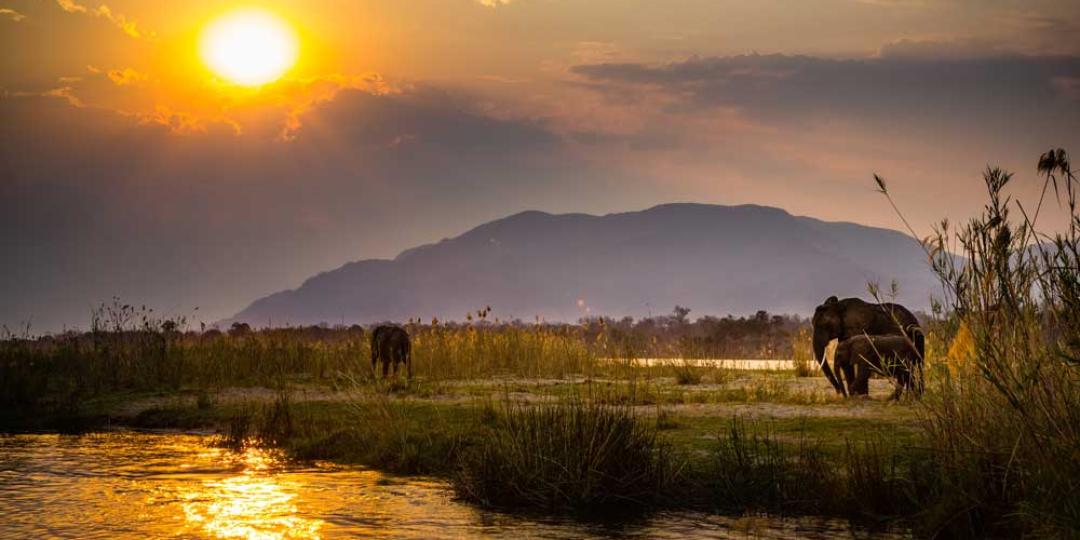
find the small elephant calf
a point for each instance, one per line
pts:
(857, 357)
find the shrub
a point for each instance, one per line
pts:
(571, 456)
(686, 373)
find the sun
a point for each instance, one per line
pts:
(249, 47)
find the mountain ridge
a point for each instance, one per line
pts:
(714, 259)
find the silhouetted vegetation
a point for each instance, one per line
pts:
(1002, 415)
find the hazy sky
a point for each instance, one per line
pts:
(128, 169)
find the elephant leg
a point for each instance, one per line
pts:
(904, 380)
(386, 367)
(840, 379)
(899, 382)
(849, 375)
(862, 379)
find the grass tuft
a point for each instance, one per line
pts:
(575, 456)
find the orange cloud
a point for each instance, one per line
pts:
(11, 14)
(126, 77)
(192, 106)
(182, 122)
(67, 94)
(103, 11)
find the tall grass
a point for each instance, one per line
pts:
(752, 470)
(474, 352)
(574, 455)
(1003, 421)
(60, 374)
(802, 354)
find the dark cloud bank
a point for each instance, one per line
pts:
(899, 85)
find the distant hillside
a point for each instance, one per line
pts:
(713, 259)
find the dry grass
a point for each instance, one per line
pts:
(1001, 416)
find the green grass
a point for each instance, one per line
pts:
(572, 456)
(831, 434)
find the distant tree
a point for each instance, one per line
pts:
(680, 314)
(239, 329)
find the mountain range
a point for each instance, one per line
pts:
(713, 259)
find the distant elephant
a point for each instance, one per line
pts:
(858, 357)
(390, 345)
(842, 319)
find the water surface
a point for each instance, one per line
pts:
(133, 485)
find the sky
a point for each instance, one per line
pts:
(129, 169)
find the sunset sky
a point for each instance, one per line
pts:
(129, 168)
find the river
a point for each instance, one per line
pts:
(137, 485)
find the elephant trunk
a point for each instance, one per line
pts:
(821, 340)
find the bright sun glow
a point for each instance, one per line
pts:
(249, 47)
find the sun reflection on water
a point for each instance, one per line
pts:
(254, 505)
(118, 486)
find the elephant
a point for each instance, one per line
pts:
(858, 357)
(390, 345)
(842, 319)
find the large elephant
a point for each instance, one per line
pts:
(858, 357)
(390, 345)
(842, 319)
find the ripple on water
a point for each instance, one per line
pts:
(125, 485)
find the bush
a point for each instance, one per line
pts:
(686, 373)
(573, 456)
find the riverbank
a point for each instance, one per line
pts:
(736, 441)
